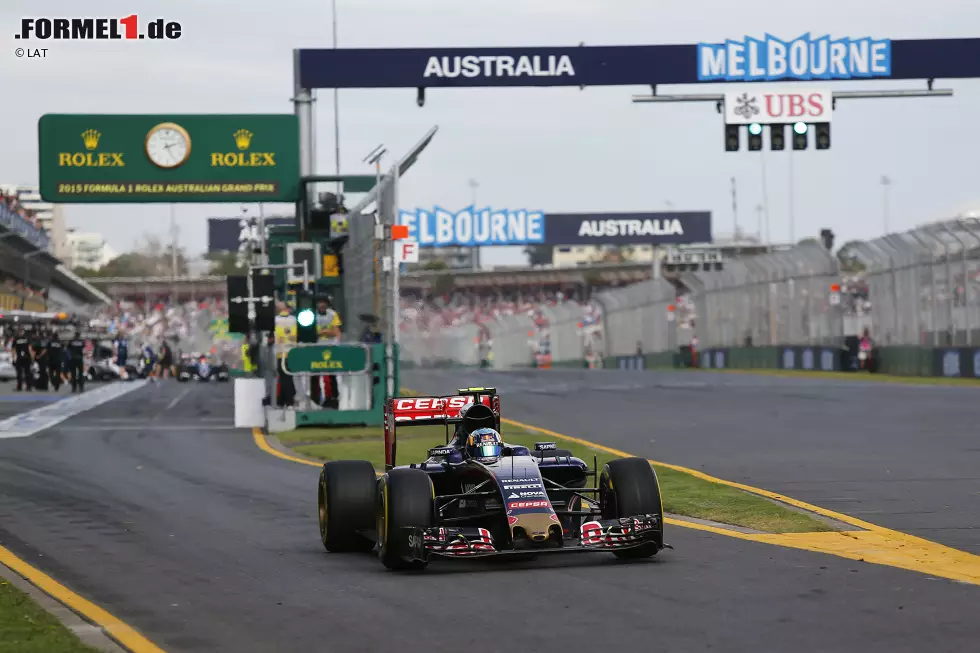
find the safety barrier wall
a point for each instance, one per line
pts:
(777, 298)
(443, 346)
(511, 343)
(924, 284)
(639, 315)
(563, 328)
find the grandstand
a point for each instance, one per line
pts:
(32, 277)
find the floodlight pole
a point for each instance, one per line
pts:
(303, 101)
(374, 158)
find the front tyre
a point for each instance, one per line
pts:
(405, 507)
(628, 487)
(345, 501)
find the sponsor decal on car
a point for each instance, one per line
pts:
(523, 486)
(525, 495)
(520, 505)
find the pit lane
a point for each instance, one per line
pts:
(181, 526)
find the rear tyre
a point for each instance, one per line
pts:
(346, 496)
(405, 498)
(627, 487)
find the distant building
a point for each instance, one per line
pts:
(567, 256)
(87, 249)
(570, 256)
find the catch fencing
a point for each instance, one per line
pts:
(924, 284)
(363, 277)
(778, 298)
(640, 316)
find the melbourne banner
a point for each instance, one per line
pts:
(802, 58)
(797, 58)
(473, 227)
(482, 227)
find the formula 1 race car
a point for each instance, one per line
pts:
(457, 505)
(198, 367)
(108, 370)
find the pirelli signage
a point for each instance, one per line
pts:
(168, 158)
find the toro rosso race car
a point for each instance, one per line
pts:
(477, 496)
(198, 367)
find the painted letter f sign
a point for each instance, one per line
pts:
(408, 251)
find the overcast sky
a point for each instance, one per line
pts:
(559, 150)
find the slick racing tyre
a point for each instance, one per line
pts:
(345, 502)
(627, 487)
(405, 499)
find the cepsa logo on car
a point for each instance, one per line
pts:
(432, 403)
(98, 29)
(519, 505)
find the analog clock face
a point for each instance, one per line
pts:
(168, 145)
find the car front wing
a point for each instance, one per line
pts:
(470, 542)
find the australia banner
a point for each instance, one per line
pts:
(667, 228)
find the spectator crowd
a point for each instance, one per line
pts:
(10, 202)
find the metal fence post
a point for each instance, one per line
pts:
(972, 254)
(952, 284)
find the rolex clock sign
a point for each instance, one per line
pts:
(168, 158)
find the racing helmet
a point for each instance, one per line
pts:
(475, 416)
(484, 445)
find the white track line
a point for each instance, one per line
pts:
(173, 403)
(32, 421)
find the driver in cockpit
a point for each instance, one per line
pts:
(472, 417)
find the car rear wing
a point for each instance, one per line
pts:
(428, 411)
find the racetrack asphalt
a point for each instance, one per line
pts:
(14, 403)
(155, 508)
(902, 456)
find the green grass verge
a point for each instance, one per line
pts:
(853, 376)
(25, 627)
(683, 493)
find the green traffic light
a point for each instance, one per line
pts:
(755, 129)
(800, 128)
(305, 317)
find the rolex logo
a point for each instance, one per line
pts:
(242, 158)
(243, 138)
(326, 355)
(91, 158)
(91, 139)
